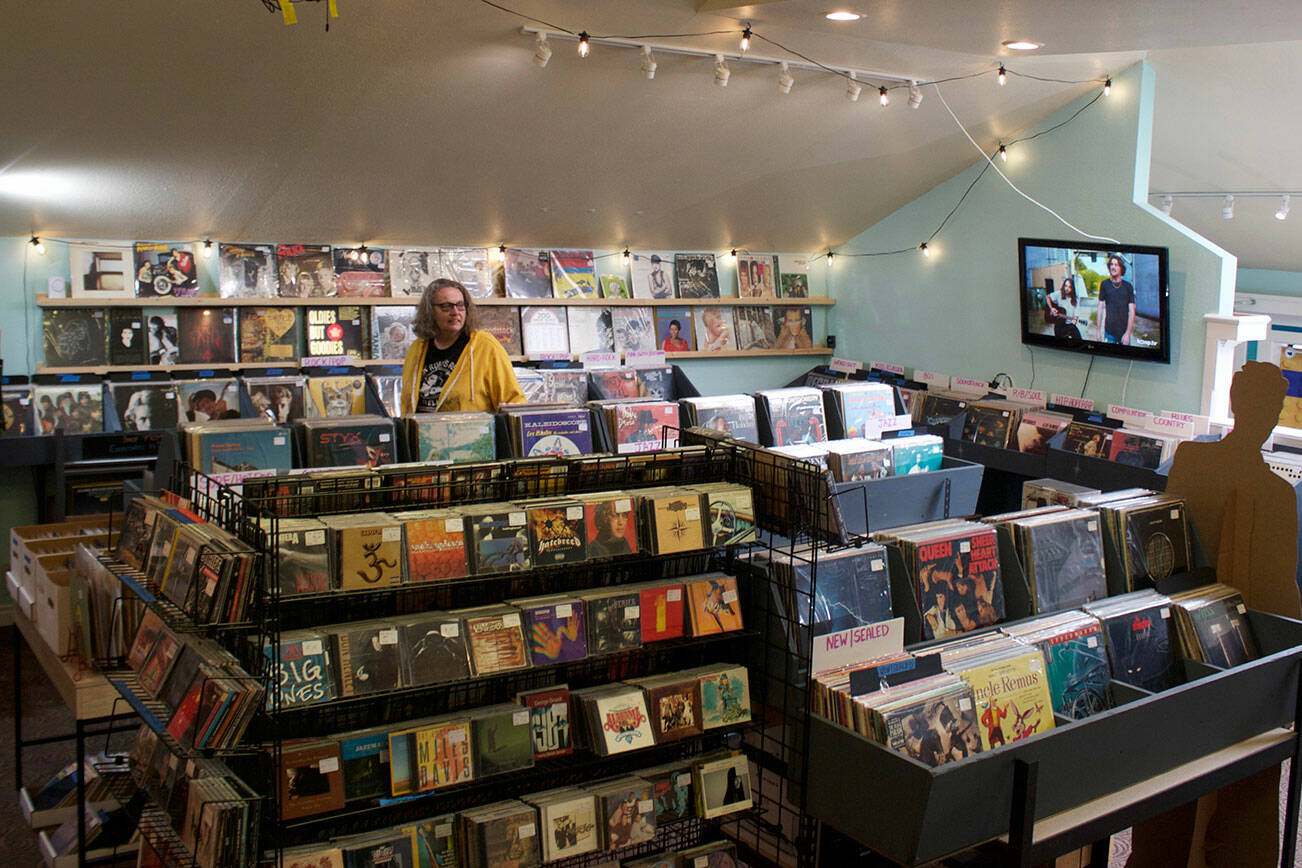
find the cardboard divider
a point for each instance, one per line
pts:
(1019, 601)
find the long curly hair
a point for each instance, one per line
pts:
(424, 323)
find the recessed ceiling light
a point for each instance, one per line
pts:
(843, 16)
(1022, 45)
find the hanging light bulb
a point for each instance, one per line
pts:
(1168, 203)
(785, 81)
(721, 71)
(542, 52)
(37, 245)
(584, 47)
(1282, 213)
(1003, 152)
(882, 96)
(1003, 75)
(1107, 87)
(830, 254)
(926, 251)
(745, 37)
(915, 95)
(207, 248)
(501, 250)
(626, 256)
(852, 87)
(649, 64)
(732, 256)
(1227, 208)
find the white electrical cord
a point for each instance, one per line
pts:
(986, 157)
(1126, 384)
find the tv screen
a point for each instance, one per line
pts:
(1095, 298)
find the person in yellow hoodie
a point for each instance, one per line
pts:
(453, 365)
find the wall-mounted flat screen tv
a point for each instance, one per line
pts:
(1109, 299)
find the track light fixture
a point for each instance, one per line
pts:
(721, 71)
(648, 62)
(915, 95)
(584, 47)
(1227, 208)
(1282, 213)
(745, 38)
(882, 96)
(542, 52)
(785, 81)
(853, 88)
(37, 245)
(1003, 75)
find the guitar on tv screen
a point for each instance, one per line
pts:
(1095, 298)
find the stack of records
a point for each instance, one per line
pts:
(712, 604)
(226, 811)
(435, 543)
(338, 330)
(1009, 685)
(614, 718)
(851, 408)
(549, 431)
(1062, 553)
(857, 459)
(1213, 626)
(389, 388)
(939, 408)
(142, 406)
(348, 441)
(377, 849)
(567, 820)
(549, 720)
(917, 454)
(656, 381)
(725, 694)
(1092, 441)
(613, 384)
(73, 408)
(1044, 492)
(991, 423)
(495, 639)
(1072, 645)
(671, 519)
(730, 508)
(430, 754)
(955, 566)
(1151, 535)
(19, 412)
(368, 656)
(238, 446)
(434, 649)
(931, 719)
(614, 619)
(626, 810)
(674, 703)
(793, 415)
(366, 550)
(497, 538)
(455, 437)
(731, 415)
(852, 589)
(1137, 634)
(671, 787)
(268, 334)
(501, 739)
(335, 395)
(640, 426)
(278, 398)
(1037, 427)
(1141, 448)
(304, 671)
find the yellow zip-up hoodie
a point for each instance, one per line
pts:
(481, 380)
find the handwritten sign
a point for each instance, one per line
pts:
(327, 361)
(1073, 402)
(1183, 428)
(969, 385)
(644, 357)
(845, 366)
(550, 356)
(887, 367)
(931, 378)
(857, 645)
(600, 360)
(1129, 415)
(873, 428)
(1029, 396)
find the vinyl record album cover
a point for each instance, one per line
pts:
(696, 274)
(166, 269)
(336, 331)
(652, 275)
(207, 335)
(573, 275)
(468, 266)
(102, 270)
(757, 276)
(412, 270)
(268, 334)
(74, 337)
(634, 329)
(361, 272)
(391, 331)
(306, 270)
(674, 330)
(247, 271)
(127, 344)
(503, 323)
(528, 273)
(754, 325)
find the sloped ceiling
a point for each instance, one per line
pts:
(426, 122)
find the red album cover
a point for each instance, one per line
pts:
(662, 613)
(611, 527)
(436, 549)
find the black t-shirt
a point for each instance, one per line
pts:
(1117, 299)
(438, 365)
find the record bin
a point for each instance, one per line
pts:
(913, 813)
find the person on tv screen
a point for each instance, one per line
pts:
(1064, 312)
(1116, 305)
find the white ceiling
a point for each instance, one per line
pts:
(425, 121)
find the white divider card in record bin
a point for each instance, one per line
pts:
(1028, 396)
(1129, 416)
(888, 367)
(1073, 402)
(857, 645)
(844, 366)
(1182, 428)
(932, 379)
(969, 386)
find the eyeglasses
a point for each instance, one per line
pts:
(450, 306)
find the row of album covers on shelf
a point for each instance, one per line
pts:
(152, 269)
(76, 337)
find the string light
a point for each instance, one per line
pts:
(926, 251)
(830, 254)
(721, 71)
(626, 256)
(501, 249)
(853, 88)
(1282, 213)
(1003, 75)
(732, 256)
(649, 64)
(1107, 87)
(542, 52)
(1003, 152)
(37, 245)
(745, 37)
(207, 248)
(785, 81)
(1227, 208)
(915, 95)
(584, 48)
(883, 97)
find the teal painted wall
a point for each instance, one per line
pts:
(957, 312)
(1266, 281)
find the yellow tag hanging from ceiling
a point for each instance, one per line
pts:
(287, 10)
(334, 10)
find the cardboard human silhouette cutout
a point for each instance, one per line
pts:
(1246, 519)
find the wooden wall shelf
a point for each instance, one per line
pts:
(216, 301)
